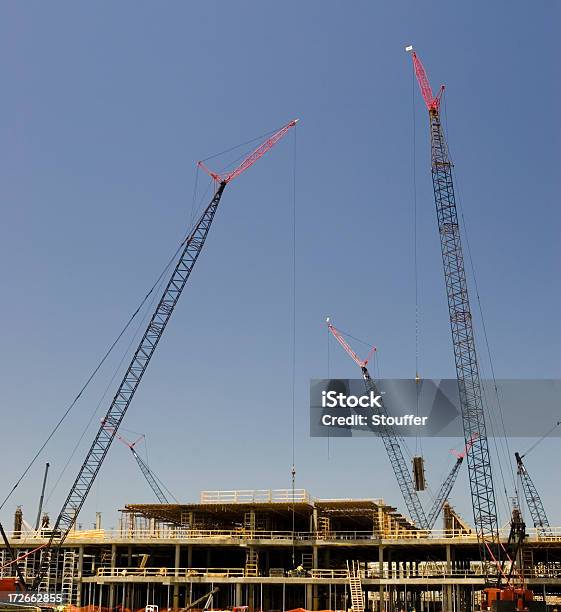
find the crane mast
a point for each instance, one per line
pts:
(533, 499)
(461, 324)
(192, 248)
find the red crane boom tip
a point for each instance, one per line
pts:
(257, 154)
(432, 102)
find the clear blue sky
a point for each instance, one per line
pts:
(105, 108)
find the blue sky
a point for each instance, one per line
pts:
(107, 106)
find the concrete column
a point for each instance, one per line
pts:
(176, 563)
(381, 572)
(80, 571)
(447, 590)
(238, 595)
(315, 591)
(309, 596)
(113, 566)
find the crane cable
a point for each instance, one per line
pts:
(94, 372)
(418, 439)
(293, 356)
(484, 329)
(87, 382)
(540, 440)
(107, 388)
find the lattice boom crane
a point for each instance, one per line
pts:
(461, 324)
(192, 248)
(533, 499)
(395, 452)
(389, 438)
(144, 468)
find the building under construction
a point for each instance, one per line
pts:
(276, 550)
(281, 550)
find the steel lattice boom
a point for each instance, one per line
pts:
(154, 485)
(193, 246)
(467, 369)
(146, 471)
(137, 367)
(251, 159)
(533, 499)
(443, 493)
(447, 486)
(390, 440)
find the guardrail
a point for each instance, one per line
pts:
(316, 574)
(182, 572)
(430, 570)
(250, 496)
(241, 534)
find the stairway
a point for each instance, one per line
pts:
(355, 585)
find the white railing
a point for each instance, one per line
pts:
(181, 533)
(249, 496)
(433, 571)
(182, 572)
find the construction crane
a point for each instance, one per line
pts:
(389, 437)
(192, 247)
(395, 452)
(467, 368)
(461, 324)
(533, 499)
(42, 497)
(447, 486)
(151, 478)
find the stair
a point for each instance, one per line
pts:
(355, 585)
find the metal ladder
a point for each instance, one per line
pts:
(307, 561)
(527, 562)
(68, 587)
(46, 559)
(252, 563)
(24, 563)
(355, 585)
(324, 527)
(4, 571)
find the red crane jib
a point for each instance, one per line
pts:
(252, 158)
